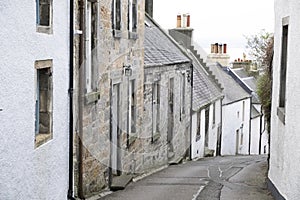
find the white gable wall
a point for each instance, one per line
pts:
(26, 172)
(285, 138)
(231, 122)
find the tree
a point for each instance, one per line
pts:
(262, 48)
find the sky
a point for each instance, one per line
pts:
(219, 21)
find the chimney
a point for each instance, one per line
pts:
(220, 48)
(225, 48)
(216, 47)
(184, 20)
(183, 34)
(212, 48)
(149, 7)
(188, 22)
(178, 21)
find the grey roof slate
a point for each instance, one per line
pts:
(160, 50)
(240, 72)
(205, 91)
(254, 112)
(232, 90)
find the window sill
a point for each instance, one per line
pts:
(44, 29)
(117, 33)
(92, 97)
(281, 114)
(155, 137)
(132, 35)
(42, 138)
(132, 138)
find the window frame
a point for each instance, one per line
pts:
(283, 70)
(117, 18)
(132, 19)
(40, 27)
(42, 138)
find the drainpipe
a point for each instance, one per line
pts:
(260, 130)
(221, 127)
(249, 149)
(191, 110)
(80, 97)
(70, 190)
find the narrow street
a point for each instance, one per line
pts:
(232, 177)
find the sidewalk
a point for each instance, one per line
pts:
(248, 184)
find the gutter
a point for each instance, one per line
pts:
(70, 91)
(191, 109)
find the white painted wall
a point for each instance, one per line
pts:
(198, 147)
(213, 128)
(231, 121)
(255, 135)
(26, 172)
(285, 138)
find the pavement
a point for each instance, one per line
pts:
(225, 178)
(248, 184)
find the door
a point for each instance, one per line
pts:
(237, 142)
(171, 114)
(206, 126)
(115, 133)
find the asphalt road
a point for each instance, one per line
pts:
(232, 177)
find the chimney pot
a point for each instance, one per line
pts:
(188, 20)
(184, 21)
(216, 47)
(178, 21)
(225, 48)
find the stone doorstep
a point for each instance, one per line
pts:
(176, 161)
(120, 182)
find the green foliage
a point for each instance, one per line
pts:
(258, 44)
(261, 47)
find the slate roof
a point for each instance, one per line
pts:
(254, 112)
(232, 90)
(205, 91)
(160, 48)
(248, 81)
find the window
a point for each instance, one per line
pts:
(182, 99)
(283, 69)
(132, 14)
(43, 102)
(133, 106)
(116, 13)
(44, 16)
(198, 133)
(155, 108)
(91, 71)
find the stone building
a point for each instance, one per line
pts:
(167, 97)
(34, 100)
(284, 174)
(206, 118)
(109, 92)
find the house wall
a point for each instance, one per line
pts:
(111, 54)
(231, 122)
(285, 155)
(213, 128)
(158, 152)
(255, 133)
(28, 172)
(198, 147)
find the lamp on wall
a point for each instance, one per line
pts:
(127, 70)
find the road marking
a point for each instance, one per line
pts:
(197, 194)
